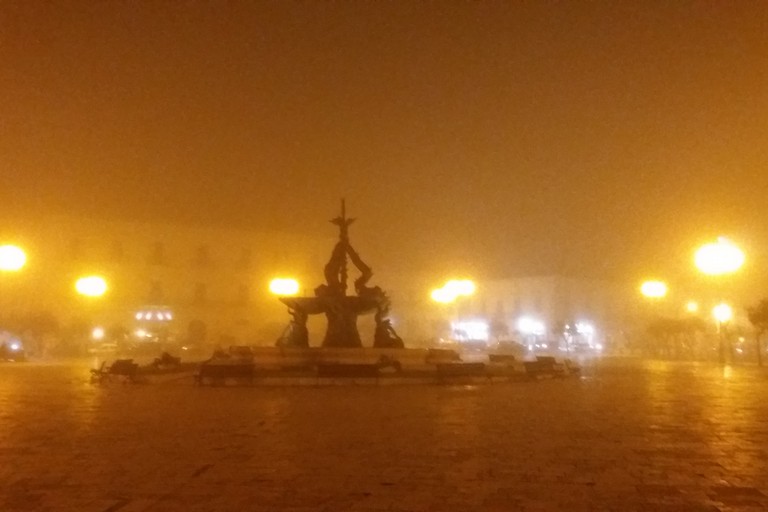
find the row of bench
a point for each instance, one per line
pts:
(213, 372)
(218, 371)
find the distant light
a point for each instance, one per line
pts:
(722, 313)
(12, 258)
(452, 290)
(168, 316)
(585, 328)
(654, 289)
(527, 325)
(471, 330)
(692, 307)
(139, 316)
(15, 346)
(442, 296)
(460, 287)
(91, 286)
(284, 286)
(97, 333)
(141, 333)
(717, 258)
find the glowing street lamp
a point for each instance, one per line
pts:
(692, 307)
(722, 313)
(284, 287)
(12, 258)
(442, 296)
(452, 290)
(718, 258)
(91, 286)
(98, 333)
(654, 289)
(460, 287)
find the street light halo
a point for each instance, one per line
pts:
(12, 258)
(654, 289)
(454, 289)
(718, 258)
(284, 286)
(443, 296)
(722, 313)
(91, 286)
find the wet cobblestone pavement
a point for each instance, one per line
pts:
(624, 436)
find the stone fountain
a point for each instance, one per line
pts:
(340, 309)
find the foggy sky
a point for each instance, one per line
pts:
(500, 138)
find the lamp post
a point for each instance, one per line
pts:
(92, 288)
(723, 314)
(654, 290)
(12, 259)
(718, 259)
(453, 290)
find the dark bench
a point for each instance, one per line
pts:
(241, 352)
(501, 358)
(217, 373)
(544, 366)
(120, 368)
(448, 370)
(166, 361)
(437, 355)
(571, 367)
(349, 370)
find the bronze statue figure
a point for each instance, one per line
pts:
(340, 309)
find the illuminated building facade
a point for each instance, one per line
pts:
(221, 276)
(218, 276)
(546, 310)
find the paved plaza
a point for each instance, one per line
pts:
(626, 435)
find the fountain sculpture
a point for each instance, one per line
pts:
(340, 309)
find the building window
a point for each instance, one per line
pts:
(203, 256)
(157, 256)
(201, 294)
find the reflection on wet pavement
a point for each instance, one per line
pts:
(626, 436)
